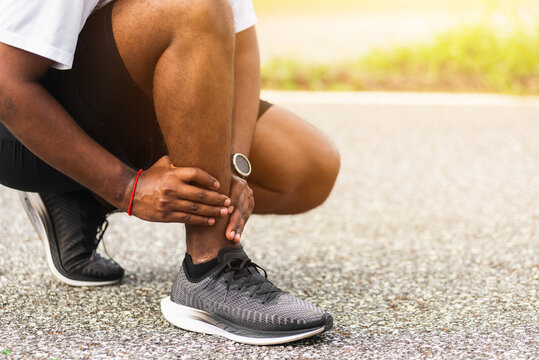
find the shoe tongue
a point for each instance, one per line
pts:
(229, 253)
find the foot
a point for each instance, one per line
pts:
(68, 224)
(235, 301)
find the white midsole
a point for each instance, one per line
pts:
(31, 203)
(200, 321)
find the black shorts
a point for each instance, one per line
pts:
(104, 100)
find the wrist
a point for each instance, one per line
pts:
(122, 192)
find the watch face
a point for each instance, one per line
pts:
(242, 164)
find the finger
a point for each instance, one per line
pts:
(199, 176)
(190, 219)
(203, 196)
(235, 187)
(230, 231)
(245, 204)
(192, 207)
(236, 192)
(244, 211)
(235, 226)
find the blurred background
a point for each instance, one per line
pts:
(400, 45)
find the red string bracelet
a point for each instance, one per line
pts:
(133, 193)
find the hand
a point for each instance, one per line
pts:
(243, 204)
(166, 193)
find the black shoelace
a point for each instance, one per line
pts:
(99, 238)
(243, 273)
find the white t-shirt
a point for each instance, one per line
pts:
(50, 28)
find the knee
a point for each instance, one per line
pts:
(210, 19)
(312, 176)
(313, 184)
(322, 174)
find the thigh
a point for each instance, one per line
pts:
(109, 92)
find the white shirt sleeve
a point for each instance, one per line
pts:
(244, 14)
(47, 28)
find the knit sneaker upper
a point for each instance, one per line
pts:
(79, 223)
(237, 293)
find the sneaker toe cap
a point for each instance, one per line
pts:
(103, 269)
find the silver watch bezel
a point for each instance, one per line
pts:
(238, 170)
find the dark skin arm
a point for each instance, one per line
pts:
(34, 117)
(46, 129)
(246, 99)
(246, 90)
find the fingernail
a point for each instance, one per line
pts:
(224, 211)
(211, 221)
(238, 237)
(227, 202)
(230, 209)
(216, 185)
(232, 233)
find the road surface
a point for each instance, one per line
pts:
(427, 248)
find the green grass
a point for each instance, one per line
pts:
(469, 58)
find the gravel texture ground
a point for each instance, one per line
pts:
(427, 248)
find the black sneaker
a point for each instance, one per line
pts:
(68, 224)
(236, 301)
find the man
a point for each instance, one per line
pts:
(172, 88)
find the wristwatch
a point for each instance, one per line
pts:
(241, 165)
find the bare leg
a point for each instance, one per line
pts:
(181, 54)
(294, 164)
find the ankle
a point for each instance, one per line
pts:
(202, 258)
(196, 271)
(200, 255)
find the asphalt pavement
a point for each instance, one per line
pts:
(427, 248)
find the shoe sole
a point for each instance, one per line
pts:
(39, 217)
(200, 321)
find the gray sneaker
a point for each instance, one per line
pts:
(236, 301)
